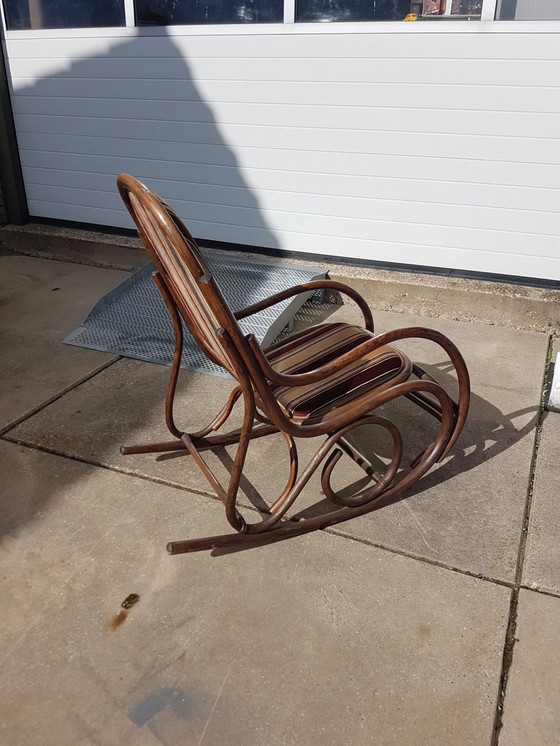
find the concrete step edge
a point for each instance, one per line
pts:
(494, 303)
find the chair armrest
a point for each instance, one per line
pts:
(307, 287)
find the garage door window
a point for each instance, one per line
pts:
(38, 14)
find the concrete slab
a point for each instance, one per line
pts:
(40, 302)
(532, 705)
(320, 640)
(50, 297)
(542, 559)
(467, 514)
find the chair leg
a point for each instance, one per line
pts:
(164, 447)
(461, 407)
(177, 352)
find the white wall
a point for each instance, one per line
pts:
(412, 144)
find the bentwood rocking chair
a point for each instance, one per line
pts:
(323, 381)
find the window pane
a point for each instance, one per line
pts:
(385, 10)
(36, 14)
(528, 10)
(173, 12)
(351, 10)
(470, 9)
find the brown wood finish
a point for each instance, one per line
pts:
(191, 293)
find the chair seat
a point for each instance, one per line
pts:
(320, 345)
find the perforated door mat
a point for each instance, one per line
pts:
(132, 320)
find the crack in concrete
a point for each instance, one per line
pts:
(226, 677)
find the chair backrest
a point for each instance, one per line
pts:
(177, 258)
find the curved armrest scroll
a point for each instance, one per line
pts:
(307, 287)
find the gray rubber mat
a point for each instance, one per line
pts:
(132, 320)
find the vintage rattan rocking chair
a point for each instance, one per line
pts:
(323, 381)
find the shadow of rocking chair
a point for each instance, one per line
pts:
(323, 381)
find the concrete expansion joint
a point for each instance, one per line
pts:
(533, 467)
(107, 467)
(419, 558)
(511, 638)
(538, 590)
(57, 396)
(514, 586)
(208, 494)
(506, 664)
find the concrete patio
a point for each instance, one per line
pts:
(433, 621)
